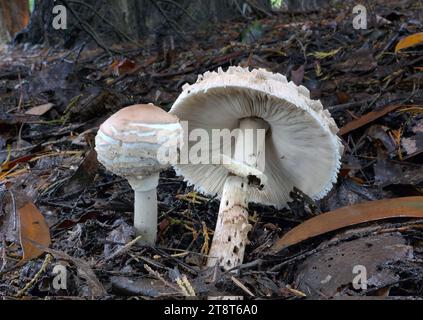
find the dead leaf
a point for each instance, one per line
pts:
(330, 270)
(297, 75)
(407, 207)
(389, 172)
(381, 133)
(367, 118)
(40, 110)
(360, 61)
(413, 145)
(409, 41)
(84, 175)
(33, 229)
(140, 287)
(121, 67)
(342, 97)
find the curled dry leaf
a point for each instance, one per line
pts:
(407, 207)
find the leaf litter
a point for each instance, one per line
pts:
(369, 80)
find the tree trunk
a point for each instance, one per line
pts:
(111, 21)
(14, 16)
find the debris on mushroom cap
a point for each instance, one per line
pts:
(302, 148)
(242, 170)
(128, 142)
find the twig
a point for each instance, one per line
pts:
(43, 268)
(342, 107)
(242, 286)
(159, 277)
(21, 96)
(123, 249)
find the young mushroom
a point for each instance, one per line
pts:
(138, 142)
(283, 139)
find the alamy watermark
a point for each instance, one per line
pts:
(60, 277)
(60, 17)
(360, 20)
(360, 280)
(213, 146)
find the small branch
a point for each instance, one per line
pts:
(43, 268)
(124, 249)
(159, 277)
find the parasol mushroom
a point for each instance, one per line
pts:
(294, 144)
(138, 142)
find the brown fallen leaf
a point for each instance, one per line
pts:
(409, 41)
(84, 175)
(121, 67)
(297, 75)
(33, 230)
(407, 207)
(367, 118)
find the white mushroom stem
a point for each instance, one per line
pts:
(231, 233)
(145, 207)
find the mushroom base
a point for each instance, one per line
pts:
(231, 233)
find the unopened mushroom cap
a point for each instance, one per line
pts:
(130, 142)
(302, 148)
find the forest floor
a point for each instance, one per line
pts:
(52, 102)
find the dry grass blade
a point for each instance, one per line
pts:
(407, 207)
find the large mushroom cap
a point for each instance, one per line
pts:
(128, 142)
(302, 148)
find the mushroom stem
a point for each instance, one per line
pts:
(145, 207)
(232, 227)
(231, 233)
